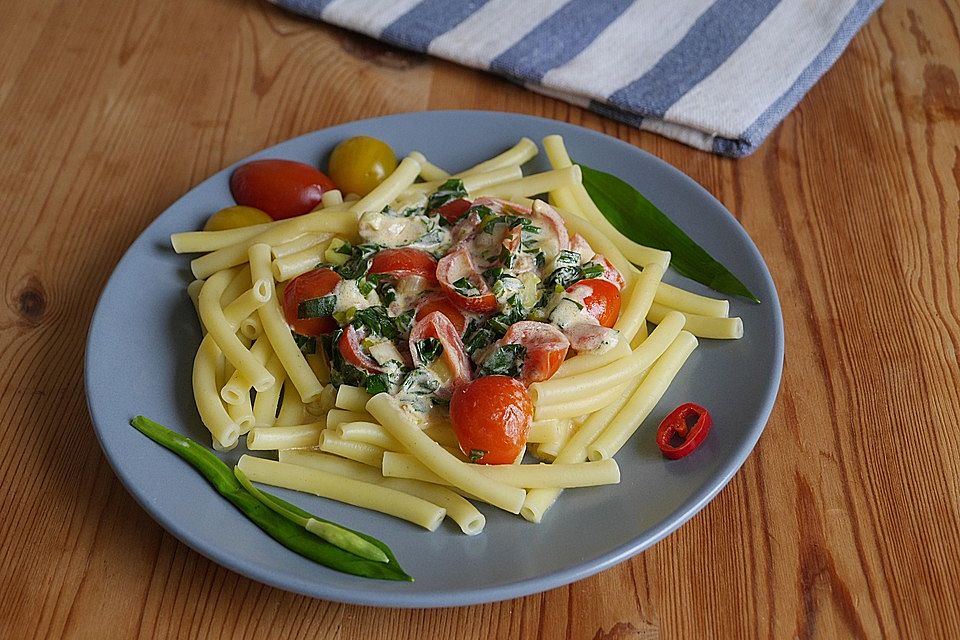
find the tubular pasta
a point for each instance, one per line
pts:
(342, 489)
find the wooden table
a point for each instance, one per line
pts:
(842, 523)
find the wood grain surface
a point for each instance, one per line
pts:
(842, 523)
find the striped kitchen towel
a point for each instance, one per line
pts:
(718, 75)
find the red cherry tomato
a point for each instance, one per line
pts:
(454, 209)
(602, 301)
(281, 188)
(546, 349)
(352, 351)
(312, 284)
(491, 417)
(440, 302)
(458, 265)
(405, 262)
(436, 325)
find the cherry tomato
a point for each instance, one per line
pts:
(602, 301)
(312, 284)
(550, 223)
(352, 351)
(491, 417)
(405, 262)
(357, 165)
(281, 188)
(440, 302)
(436, 325)
(610, 272)
(457, 265)
(546, 349)
(454, 209)
(235, 217)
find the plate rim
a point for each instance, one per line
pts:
(498, 592)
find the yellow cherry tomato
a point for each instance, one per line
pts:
(235, 217)
(359, 164)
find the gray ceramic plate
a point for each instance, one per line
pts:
(144, 334)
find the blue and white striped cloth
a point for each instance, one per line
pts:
(718, 75)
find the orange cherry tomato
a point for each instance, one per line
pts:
(546, 349)
(440, 302)
(405, 262)
(312, 284)
(281, 188)
(602, 301)
(491, 417)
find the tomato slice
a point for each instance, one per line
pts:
(352, 351)
(281, 188)
(491, 418)
(550, 223)
(579, 244)
(454, 209)
(312, 284)
(601, 299)
(440, 302)
(405, 262)
(546, 349)
(458, 265)
(610, 272)
(436, 325)
(588, 337)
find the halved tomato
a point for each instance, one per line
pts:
(454, 209)
(601, 298)
(456, 267)
(454, 356)
(610, 272)
(352, 351)
(546, 349)
(405, 262)
(440, 302)
(312, 284)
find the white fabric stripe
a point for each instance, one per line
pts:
(575, 100)
(491, 30)
(628, 48)
(370, 16)
(730, 99)
(680, 133)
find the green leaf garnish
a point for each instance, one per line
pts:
(641, 221)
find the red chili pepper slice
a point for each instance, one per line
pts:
(690, 422)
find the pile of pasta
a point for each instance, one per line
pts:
(251, 378)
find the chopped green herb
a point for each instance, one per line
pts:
(564, 277)
(476, 454)
(377, 321)
(377, 383)
(366, 285)
(592, 270)
(317, 307)
(464, 287)
(505, 361)
(566, 258)
(420, 382)
(307, 344)
(447, 192)
(428, 349)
